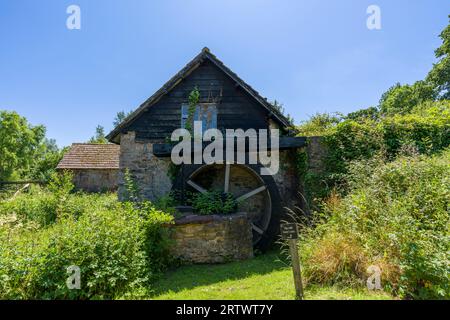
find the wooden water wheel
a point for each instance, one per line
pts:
(256, 194)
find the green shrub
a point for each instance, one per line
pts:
(119, 247)
(397, 213)
(425, 130)
(38, 206)
(157, 237)
(117, 250)
(42, 206)
(214, 202)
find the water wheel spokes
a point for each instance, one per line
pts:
(252, 193)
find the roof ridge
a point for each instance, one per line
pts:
(185, 71)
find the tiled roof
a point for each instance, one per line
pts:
(91, 156)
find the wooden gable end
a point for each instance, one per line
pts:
(235, 108)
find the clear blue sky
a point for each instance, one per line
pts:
(313, 56)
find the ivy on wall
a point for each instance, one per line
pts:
(425, 130)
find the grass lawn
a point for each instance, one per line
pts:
(264, 277)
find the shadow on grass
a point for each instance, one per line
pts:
(188, 277)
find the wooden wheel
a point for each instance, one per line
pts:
(257, 195)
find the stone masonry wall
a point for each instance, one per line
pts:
(287, 180)
(149, 171)
(212, 239)
(95, 180)
(317, 153)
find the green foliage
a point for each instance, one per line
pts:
(266, 277)
(41, 207)
(318, 124)
(279, 107)
(214, 202)
(401, 99)
(46, 161)
(36, 207)
(104, 244)
(425, 130)
(396, 216)
(131, 188)
(120, 117)
(99, 136)
(193, 99)
(173, 171)
(20, 142)
(439, 75)
(371, 113)
(117, 246)
(61, 184)
(167, 203)
(426, 271)
(157, 241)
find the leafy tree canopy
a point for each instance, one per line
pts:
(120, 117)
(439, 76)
(403, 98)
(20, 143)
(99, 135)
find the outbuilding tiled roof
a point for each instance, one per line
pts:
(91, 156)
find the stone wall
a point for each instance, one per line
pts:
(149, 171)
(212, 239)
(95, 180)
(317, 153)
(287, 180)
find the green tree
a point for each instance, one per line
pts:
(371, 113)
(319, 124)
(439, 76)
(47, 160)
(403, 98)
(280, 108)
(120, 117)
(99, 135)
(20, 142)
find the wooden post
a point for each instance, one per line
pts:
(289, 232)
(296, 269)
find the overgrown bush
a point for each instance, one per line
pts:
(119, 247)
(117, 250)
(425, 130)
(396, 216)
(44, 205)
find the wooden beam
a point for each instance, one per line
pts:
(196, 186)
(285, 143)
(227, 177)
(251, 194)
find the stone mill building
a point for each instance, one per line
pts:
(140, 144)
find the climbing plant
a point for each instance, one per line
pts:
(193, 100)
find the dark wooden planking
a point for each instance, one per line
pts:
(236, 109)
(285, 143)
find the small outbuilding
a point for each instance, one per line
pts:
(95, 166)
